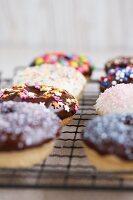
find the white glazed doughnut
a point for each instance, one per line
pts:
(55, 75)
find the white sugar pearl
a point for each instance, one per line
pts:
(114, 83)
(131, 75)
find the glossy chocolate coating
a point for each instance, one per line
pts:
(116, 76)
(60, 101)
(111, 135)
(118, 62)
(26, 125)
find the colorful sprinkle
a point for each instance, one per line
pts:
(31, 94)
(37, 86)
(55, 104)
(60, 103)
(42, 103)
(58, 94)
(80, 63)
(68, 101)
(67, 108)
(56, 98)
(23, 95)
(117, 76)
(76, 108)
(118, 62)
(63, 102)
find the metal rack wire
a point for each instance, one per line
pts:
(67, 167)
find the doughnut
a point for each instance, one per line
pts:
(116, 76)
(58, 76)
(57, 100)
(117, 99)
(108, 142)
(119, 62)
(78, 62)
(27, 133)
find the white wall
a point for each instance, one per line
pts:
(100, 29)
(79, 25)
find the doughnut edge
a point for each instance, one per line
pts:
(108, 163)
(26, 158)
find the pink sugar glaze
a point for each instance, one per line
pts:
(117, 99)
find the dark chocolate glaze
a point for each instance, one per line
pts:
(118, 62)
(88, 73)
(49, 98)
(109, 84)
(26, 125)
(111, 135)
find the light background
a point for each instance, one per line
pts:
(99, 29)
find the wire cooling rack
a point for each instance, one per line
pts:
(67, 167)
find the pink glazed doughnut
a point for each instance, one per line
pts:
(117, 99)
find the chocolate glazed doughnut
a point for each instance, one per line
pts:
(27, 133)
(108, 142)
(58, 100)
(116, 76)
(119, 62)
